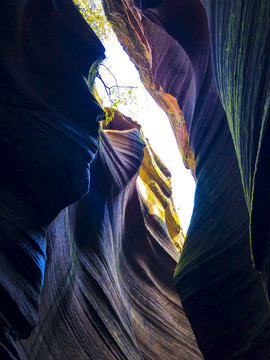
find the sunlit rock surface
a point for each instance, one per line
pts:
(102, 270)
(213, 56)
(108, 291)
(141, 40)
(154, 182)
(87, 262)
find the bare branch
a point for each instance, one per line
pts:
(109, 88)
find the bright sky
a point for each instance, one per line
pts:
(155, 125)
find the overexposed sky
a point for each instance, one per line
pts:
(155, 124)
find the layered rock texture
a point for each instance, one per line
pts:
(46, 142)
(137, 40)
(213, 57)
(89, 233)
(105, 296)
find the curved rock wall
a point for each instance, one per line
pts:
(242, 73)
(108, 291)
(139, 39)
(48, 137)
(97, 282)
(208, 68)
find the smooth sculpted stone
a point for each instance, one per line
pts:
(108, 291)
(215, 61)
(48, 138)
(246, 100)
(142, 39)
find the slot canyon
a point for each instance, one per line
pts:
(94, 263)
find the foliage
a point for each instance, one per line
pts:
(109, 116)
(120, 97)
(93, 13)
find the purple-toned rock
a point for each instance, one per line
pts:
(48, 138)
(213, 56)
(108, 291)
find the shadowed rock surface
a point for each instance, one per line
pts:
(213, 56)
(48, 137)
(94, 273)
(96, 283)
(108, 291)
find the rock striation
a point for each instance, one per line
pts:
(88, 230)
(201, 53)
(233, 64)
(48, 137)
(105, 296)
(81, 256)
(141, 40)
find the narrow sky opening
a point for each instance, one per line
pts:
(155, 124)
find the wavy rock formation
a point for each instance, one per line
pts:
(108, 291)
(86, 272)
(137, 40)
(213, 56)
(82, 276)
(233, 64)
(48, 137)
